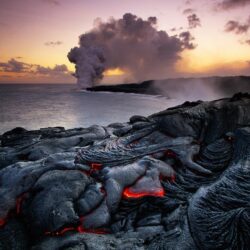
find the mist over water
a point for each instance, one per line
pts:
(35, 106)
(205, 89)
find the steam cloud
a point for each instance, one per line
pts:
(193, 21)
(89, 60)
(131, 44)
(230, 4)
(53, 44)
(236, 27)
(15, 66)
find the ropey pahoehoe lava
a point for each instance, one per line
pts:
(178, 179)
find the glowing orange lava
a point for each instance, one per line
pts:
(19, 201)
(96, 166)
(127, 193)
(170, 153)
(61, 232)
(173, 178)
(2, 222)
(93, 167)
(79, 229)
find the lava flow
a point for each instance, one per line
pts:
(79, 229)
(127, 193)
(13, 212)
(170, 154)
(2, 222)
(93, 168)
(19, 202)
(96, 166)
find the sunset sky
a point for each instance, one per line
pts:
(36, 36)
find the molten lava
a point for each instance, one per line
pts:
(61, 232)
(14, 212)
(79, 229)
(170, 153)
(96, 166)
(19, 201)
(127, 193)
(93, 168)
(2, 222)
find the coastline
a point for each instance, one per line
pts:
(62, 188)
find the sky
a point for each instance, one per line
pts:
(37, 35)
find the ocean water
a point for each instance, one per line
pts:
(35, 106)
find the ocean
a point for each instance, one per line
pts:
(35, 106)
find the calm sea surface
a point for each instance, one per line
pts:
(34, 106)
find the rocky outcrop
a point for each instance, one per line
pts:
(178, 179)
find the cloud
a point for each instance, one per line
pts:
(188, 2)
(6, 76)
(188, 11)
(53, 2)
(236, 27)
(57, 69)
(193, 21)
(53, 44)
(14, 66)
(130, 43)
(176, 29)
(231, 4)
(239, 29)
(187, 39)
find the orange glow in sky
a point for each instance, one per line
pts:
(114, 72)
(42, 32)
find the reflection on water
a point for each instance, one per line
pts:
(36, 106)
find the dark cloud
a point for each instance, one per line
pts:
(188, 11)
(188, 2)
(58, 69)
(176, 29)
(53, 2)
(193, 21)
(236, 27)
(6, 76)
(130, 43)
(53, 44)
(248, 42)
(14, 66)
(230, 4)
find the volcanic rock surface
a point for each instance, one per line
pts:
(178, 179)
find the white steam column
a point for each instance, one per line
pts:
(89, 64)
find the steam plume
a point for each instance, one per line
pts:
(89, 61)
(132, 44)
